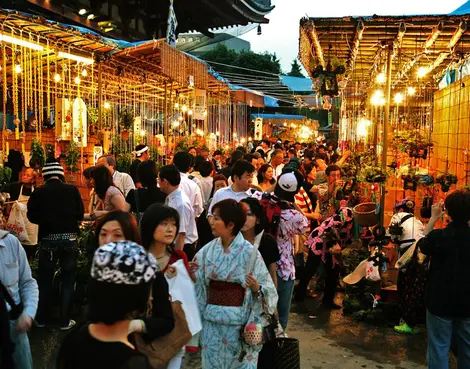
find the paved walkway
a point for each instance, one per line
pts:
(329, 341)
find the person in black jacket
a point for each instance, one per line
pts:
(447, 294)
(57, 208)
(122, 275)
(141, 154)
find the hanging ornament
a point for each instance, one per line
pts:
(57, 78)
(327, 79)
(84, 73)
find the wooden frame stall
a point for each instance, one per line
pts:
(393, 68)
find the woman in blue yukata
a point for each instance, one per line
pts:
(232, 285)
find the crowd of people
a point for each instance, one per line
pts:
(245, 230)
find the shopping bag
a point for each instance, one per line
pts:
(372, 272)
(182, 289)
(31, 229)
(280, 353)
(16, 223)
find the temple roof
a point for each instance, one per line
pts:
(143, 19)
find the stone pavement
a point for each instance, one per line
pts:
(328, 341)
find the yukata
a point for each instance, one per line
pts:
(342, 222)
(220, 339)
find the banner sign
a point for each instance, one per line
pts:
(172, 24)
(199, 104)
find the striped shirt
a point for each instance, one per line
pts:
(304, 203)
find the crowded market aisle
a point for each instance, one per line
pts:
(329, 341)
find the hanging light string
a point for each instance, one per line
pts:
(5, 99)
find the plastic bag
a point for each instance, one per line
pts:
(16, 223)
(372, 272)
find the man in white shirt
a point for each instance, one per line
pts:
(207, 182)
(251, 158)
(169, 179)
(123, 181)
(242, 176)
(265, 145)
(189, 186)
(276, 162)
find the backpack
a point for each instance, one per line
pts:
(272, 208)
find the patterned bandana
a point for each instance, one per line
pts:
(123, 263)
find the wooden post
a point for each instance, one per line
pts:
(100, 97)
(386, 128)
(165, 118)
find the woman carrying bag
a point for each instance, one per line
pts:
(232, 283)
(158, 232)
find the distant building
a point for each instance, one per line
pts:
(198, 44)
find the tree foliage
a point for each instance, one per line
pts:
(295, 70)
(265, 62)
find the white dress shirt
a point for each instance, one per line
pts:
(192, 190)
(278, 171)
(123, 181)
(181, 203)
(206, 184)
(227, 193)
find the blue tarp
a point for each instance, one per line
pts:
(297, 84)
(271, 102)
(279, 116)
(462, 10)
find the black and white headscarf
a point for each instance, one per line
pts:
(123, 263)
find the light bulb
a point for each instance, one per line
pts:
(18, 68)
(243, 140)
(91, 16)
(398, 98)
(142, 132)
(381, 78)
(411, 91)
(57, 77)
(84, 73)
(177, 105)
(180, 118)
(205, 112)
(249, 139)
(184, 108)
(190, 112)
(82, 11)
(234, 134)
(77, 80)
(107, 105)
(377, 98)
(176, 123)
(422, 71)
(217, 133)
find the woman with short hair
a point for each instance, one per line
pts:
(232, 283)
